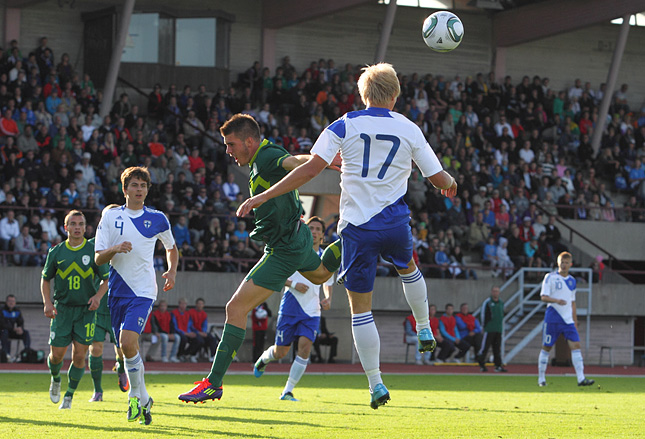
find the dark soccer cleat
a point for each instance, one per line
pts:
(98, 396)
(427, 343)
(586, 382)
(124, 384)
(146, 416)
(500, 369)
(380, 396)
(134, 409)
(542, 384)
(202, 392)
(258, 368)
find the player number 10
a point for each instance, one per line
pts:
(367, 140)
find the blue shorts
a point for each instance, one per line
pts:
(290, 327)
(361, 249)
(129, 313)
(551, 332)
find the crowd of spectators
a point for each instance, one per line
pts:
(521, 154)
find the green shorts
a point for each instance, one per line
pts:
(279, 263)
(72, 323)
(103, 327)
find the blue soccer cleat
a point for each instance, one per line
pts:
(258, 368)
(427, 343)
(146, 416)
(202, 392)
(288, 397)
(586, 382)
(380, 396)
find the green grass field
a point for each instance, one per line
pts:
(336, 406)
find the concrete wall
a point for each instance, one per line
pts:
(623, 240)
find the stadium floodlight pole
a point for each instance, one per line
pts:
(612, 76)
(115, 60)
(386, 31)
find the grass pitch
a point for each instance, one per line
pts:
(336, 406)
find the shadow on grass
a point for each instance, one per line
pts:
(462, 409)
(150, 429)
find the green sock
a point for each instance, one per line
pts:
(74, 375)
(54, 369)
(232, 338)
(331, 256)
(96, 369)
(121, 367)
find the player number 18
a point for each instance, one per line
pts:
(74, 282)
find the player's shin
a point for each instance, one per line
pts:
(296, 372)
(132, 367)
(96, 369)
(578, 364)
(414, 289)
(232, 338)
(368, 346)
(74, 375)
(543, 361)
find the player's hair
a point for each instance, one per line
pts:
(135, 172)
(72, 213)
(108, 207)
(198, 299)
(242, 126)
(378, 84)
(316, 219)
(564, 255)
(449, 304)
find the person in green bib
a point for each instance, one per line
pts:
(289, 244)
(73, 309)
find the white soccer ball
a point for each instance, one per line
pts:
(443, 31)
(261, 313)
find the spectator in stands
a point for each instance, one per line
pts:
(449, 331)
(230, 190)
(181, 232)
(9, 230)
(12, 325)
(24, 243)
(470, 330)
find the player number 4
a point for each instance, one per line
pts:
(367, 140)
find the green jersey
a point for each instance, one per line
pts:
(75, 273)
(276, 220)
(103, 306)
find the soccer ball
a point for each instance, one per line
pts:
(443, 31)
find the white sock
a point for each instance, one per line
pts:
(414, 289)
(133, 366)
(267, 356)
(578, 365)
(298, 368)
(543, 361)
(142, 386)
(368, 345)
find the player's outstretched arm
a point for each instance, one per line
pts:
(444, 181)
(172, 256)
(295, 179)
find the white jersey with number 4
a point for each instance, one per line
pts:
(132, 274)
(377, 147)
(558, 287)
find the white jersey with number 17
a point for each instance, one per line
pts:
(377, 147)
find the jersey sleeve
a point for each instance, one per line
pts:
(49, 270)
(166, 236)
(424, 156)
(546, 286)
(101, 241)
(328, 143)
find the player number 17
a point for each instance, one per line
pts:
(367, 140)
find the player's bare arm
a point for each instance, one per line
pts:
(292, 162)
(48, 307)
(299, 176)
(172, 257)
(104, 256)
(95, 300)
(326, 302)
(549, 299)
(444, 181)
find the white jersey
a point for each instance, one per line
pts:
(133, 274)
(294, 303)
(558, 287)
(377, 147)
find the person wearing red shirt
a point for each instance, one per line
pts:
(8, 126)
(150, 333)
(164, 322)
(448, 329)
(199, 319)
(156, 148)
(195, 161)
(184, 327)
(260, 322)
(447, 348)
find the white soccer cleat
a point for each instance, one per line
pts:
(66, 404)
(54, 391)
